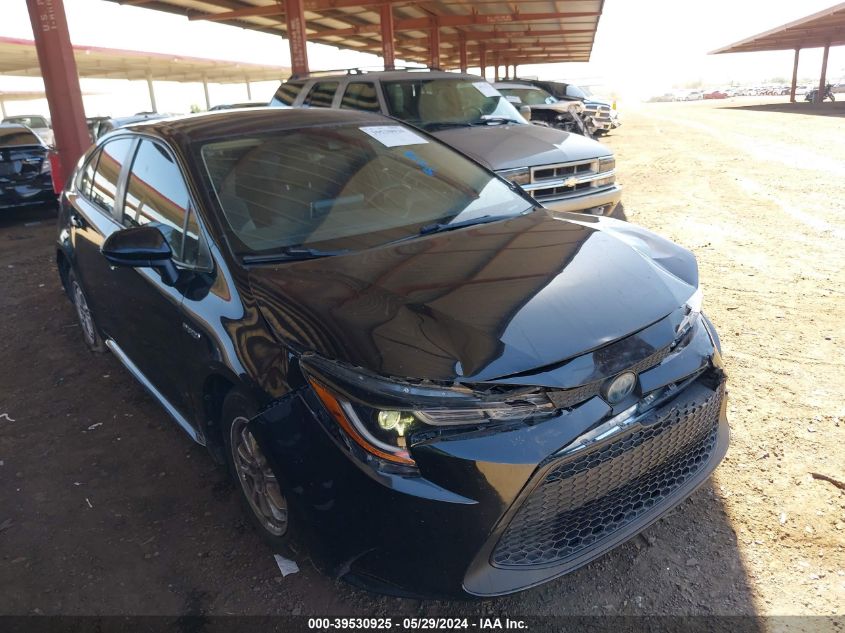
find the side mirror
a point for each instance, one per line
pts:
(141, 247)
(525, 111)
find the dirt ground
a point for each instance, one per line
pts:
(107, 508)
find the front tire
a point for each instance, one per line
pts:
(261, 493)
(86, 320)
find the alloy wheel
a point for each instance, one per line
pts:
(84, 312)
(259, 484)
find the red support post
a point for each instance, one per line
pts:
(295, 18)
(61, 83)
(388, 49)
(435, 46)
(462, 44)
(482, 59)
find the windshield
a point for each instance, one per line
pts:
(347, 187)
(576, 91)
(28, 121)
(17, 136)
(433, 103)
(528, 96)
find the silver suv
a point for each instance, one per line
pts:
(562, 171)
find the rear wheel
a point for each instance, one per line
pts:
(86, 320)
(260, 490)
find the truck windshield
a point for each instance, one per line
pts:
(346, 187)
(435, 103)
(528, 96)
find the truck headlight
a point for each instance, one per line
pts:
(521, 176)
(608, 163)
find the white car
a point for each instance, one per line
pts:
(37, 123)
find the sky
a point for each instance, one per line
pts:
(642, 48)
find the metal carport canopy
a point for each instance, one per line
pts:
(441, 33)
(19, 57)
(823, 29)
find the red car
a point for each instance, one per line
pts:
(716, 94)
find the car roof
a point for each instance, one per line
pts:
(13, 125)
(233, 123)
(390, 75)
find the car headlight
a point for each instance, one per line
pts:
(521, 176)
(381, 415)
(692, 307)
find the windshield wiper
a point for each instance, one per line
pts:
(487, 119)
(291, 254)
(442, 125)
(439, 227)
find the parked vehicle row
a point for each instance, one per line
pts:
(433, 383)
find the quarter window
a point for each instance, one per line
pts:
(107, 172)
(360, 96)
(321, 94)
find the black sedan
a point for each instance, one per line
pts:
(25, 174)
(440, 387)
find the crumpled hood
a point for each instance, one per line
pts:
(472, 304)
(519, 145)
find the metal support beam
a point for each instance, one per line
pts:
(151, 90)
(388, 49)
(462, 46)
(295, 18)
(61, 83)
(205, 90)
(515, 74)
(3, 108)
(435, 47)
(823, 79)
(421, 24)
(248, 90)
(482, 59)
(794, 77)
(496, 65)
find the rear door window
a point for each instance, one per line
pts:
(287, 93)
(107, 172)
(360, 95)
(321, 94)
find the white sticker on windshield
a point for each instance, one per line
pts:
(393, 135)
(486, 89)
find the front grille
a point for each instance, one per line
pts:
(566, 398)
(586, 499)
(556, 181)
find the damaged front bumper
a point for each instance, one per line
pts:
(490, 511)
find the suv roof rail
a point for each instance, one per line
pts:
(358, 71)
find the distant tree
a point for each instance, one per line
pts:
(776, 80)
(195, 108)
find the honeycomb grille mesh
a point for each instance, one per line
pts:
(585, 500)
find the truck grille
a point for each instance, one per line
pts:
(561, 180)
(586, 499)
(598, 112)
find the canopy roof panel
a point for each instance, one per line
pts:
(19, 57)
(519, 31)
(825, 28)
